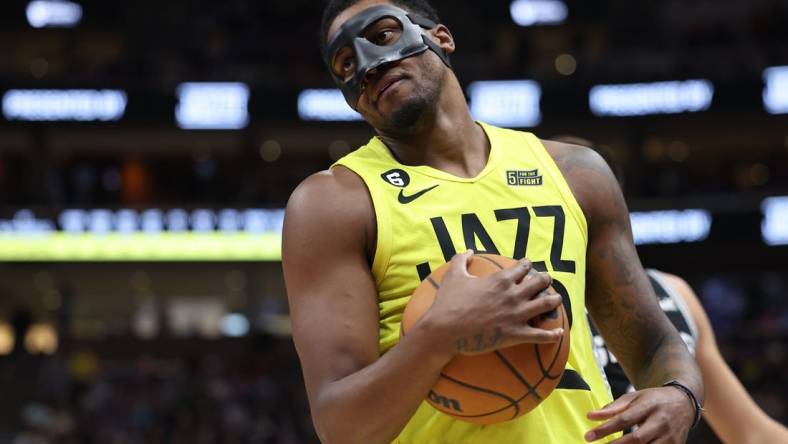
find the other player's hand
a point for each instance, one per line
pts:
(662, 415)
(481, 314)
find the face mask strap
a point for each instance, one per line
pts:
(426, 23)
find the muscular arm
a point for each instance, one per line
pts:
(619, 298)
(728, 405)
(354, 395)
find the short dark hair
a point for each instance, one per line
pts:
(335, 7)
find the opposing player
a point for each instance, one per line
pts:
(728, 405)
(359, 238)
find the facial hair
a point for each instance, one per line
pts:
(416, 111)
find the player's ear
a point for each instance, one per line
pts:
(442, 36)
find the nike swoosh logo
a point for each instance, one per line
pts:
(403, 199)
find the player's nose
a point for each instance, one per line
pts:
(376, 73)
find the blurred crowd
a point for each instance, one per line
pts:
(81, 397)
(154, 46)
(122, 390)
(244, 179)
(273, 47)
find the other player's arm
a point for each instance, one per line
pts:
(728, 405)
(624, 308)
(355, 395)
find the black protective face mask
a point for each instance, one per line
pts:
(412, 41)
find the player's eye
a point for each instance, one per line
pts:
(348, 64)
(344, 64)
(383, 32)
(383, 37)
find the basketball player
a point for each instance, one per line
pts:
(728, 405)
(360, 237)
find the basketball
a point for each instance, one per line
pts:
(500, 385)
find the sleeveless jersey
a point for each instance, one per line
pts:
(518, 206)
(678, 314)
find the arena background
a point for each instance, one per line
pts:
(147, 149)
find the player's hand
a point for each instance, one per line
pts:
(662, 415)
(481, 314)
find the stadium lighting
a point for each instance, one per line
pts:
(538, 12)
(325, 105)
(670, 226)
(217, 105)
(24, 221)
(7, 339)
(256, 233)
(62, 105)
(640, 99)
(775, 94)
(774, 227)
(512, 103)
(126, 220)
(53, 13)
(143, 235)
(234, 325)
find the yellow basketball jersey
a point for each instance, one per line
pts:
(518, 206)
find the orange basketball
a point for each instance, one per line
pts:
(500, 385)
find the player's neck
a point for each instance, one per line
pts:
(451, 141)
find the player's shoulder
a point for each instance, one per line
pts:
(574, 158)
(335, 179)
(588, 175)
(683, 290)
(334, 199)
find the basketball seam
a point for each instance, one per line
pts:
(535, 387)
(539, 358)
(434, 284)
(546, 372)
(531, 389)
(560, 344)
(490, 260)
(512, 402)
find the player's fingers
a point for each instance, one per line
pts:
(459, 264)
(614, 408)
(516, 272)
(540, 336)
(541, 305)
(650, 431)
(624, 420)
(533, 284)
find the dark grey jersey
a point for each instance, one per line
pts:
(676, 310)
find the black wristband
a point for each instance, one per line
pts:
(693, 400)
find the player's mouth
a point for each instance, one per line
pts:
(388, 83)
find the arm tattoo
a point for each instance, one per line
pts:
(627, 313)
(620, 298)
(479, 342)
